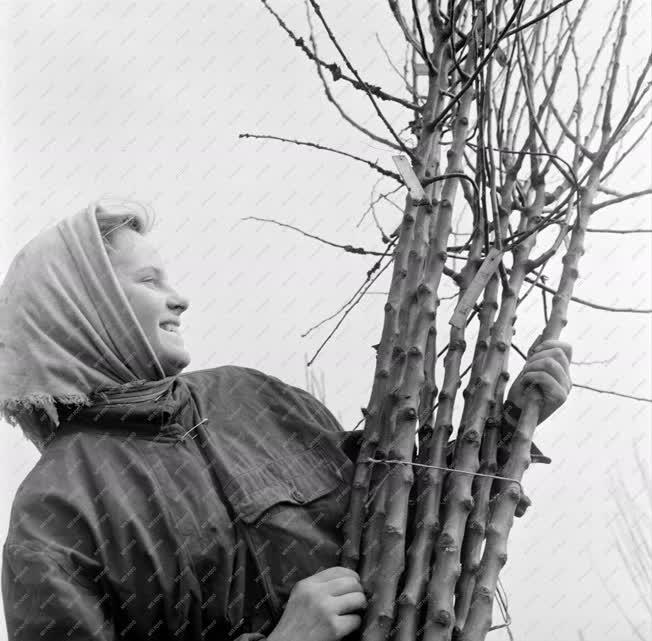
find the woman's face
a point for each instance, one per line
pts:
(157, 305)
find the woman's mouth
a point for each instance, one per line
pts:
(173, 328)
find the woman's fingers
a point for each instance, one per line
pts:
(551, 344)
(344, 585)
(350, 602)
(347, 624)
(552, 367)
(523, 504)
(551, 388)
(547, 366)
(538, 345)
(336, 572)
(556, 353)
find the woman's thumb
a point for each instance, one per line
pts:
(537, 341)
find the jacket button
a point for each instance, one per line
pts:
(297, 496)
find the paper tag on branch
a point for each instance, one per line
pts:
(479, 282)
(409, 178)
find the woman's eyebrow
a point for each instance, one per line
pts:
(159, 272)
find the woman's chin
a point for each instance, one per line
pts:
(175, 363)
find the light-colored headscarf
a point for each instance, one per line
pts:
(66, 326)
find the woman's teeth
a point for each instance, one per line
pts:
(169, 327)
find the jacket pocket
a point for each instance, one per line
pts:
(291, 511)
(296, 480)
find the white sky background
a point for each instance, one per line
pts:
(147, 100)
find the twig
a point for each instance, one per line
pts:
(346, 313)
(372, 207)
(374, 268)
(620, 231)
(373, 165)
(620, 199)
(424, 49)
(605, 391)
(603, 362)
(624, 155)
(539, 18)
(409, 36)
(347, 248)
(401, 75)
(581, 301)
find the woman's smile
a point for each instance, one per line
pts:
(170, 327)
(172, 331)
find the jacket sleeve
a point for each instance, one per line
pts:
(44, 600)
(316, 408)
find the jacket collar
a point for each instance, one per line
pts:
(145, 408)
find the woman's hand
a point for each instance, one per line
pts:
(547, 367)
(322, 607)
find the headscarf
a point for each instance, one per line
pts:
(67, 329)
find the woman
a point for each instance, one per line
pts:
(203, 505)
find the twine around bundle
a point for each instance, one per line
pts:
(435, 467)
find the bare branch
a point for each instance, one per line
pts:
(621, 231)
(375, 201)
(539, 18)
(621, 199)
(602, 47)
(401, 74)
(422, 39)
(567, 132)
(350, 308)
(314, 145)
(615, 66)
(605, 391)
(633, 120)
(635, 100)
(347, 248)
(624, 155)
(581, 301)
(409, 36)
(603, 362)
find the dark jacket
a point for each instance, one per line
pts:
(133, 525)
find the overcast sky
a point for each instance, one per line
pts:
(146, 100)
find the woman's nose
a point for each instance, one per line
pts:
(178, 302)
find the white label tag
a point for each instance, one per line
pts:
(409, 177)
(479, 282)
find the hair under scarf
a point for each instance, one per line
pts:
(67, 329)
